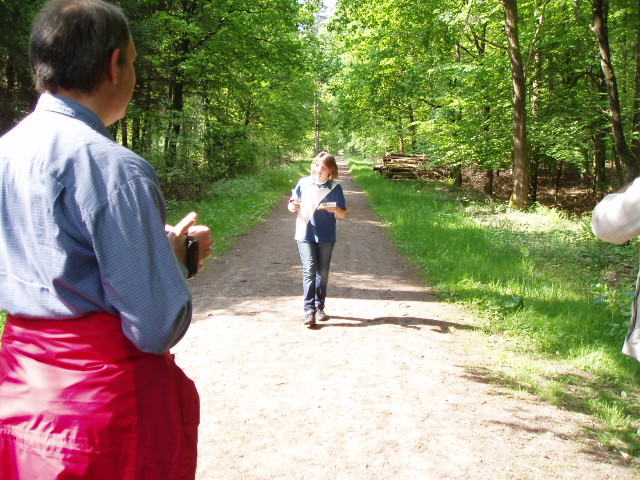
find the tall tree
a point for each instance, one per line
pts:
(635, 143)
(600, 29)
(519, 197)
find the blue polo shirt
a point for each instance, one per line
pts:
(322, 226)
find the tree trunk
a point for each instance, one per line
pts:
(520, 160)
(618, 168)
(412, 127)
(316, 123)
(124, 135)
(557, 182)
(135, 134)
(599, 164)
(488, 182)
(635, 142)
(177, 108)
(599, 28)
(534, 170)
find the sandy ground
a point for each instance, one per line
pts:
(389, 388)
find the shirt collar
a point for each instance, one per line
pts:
(66, 106)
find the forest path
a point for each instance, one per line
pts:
(391, 387)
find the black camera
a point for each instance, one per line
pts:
(193, 256)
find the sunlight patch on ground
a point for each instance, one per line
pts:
(369, 282)
(551, 221)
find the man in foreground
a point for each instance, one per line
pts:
(94, 286)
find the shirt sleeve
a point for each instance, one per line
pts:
(616, 218)
(340, 201)
(138, 269)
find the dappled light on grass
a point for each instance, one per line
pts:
(534, 277)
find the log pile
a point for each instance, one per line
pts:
(400, 166)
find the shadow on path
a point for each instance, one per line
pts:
(406, 322)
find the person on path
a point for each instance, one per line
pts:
(318, 200)
(91, 277)
(616, 219)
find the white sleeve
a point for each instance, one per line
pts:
(616, 218)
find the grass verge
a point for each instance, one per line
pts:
(554, 299)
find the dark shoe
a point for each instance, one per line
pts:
(321, 316)
(310, 319)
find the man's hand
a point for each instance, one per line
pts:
(202, 233)
(187, 226)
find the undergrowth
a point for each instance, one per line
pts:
(558, 298)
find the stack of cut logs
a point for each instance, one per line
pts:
(399, 166)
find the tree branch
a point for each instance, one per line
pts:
(430, 103)
(489, 42)
(536, 37)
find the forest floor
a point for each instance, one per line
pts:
(395, 385)
(572, 198)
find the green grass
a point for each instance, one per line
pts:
(534, 280)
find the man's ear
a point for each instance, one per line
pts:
(113, 68)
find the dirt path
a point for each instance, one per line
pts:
(386, 389)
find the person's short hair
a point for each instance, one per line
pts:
(71, 42)
(325, 159)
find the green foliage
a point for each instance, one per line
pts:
(434, 78)
(16, 87)
(223, 87)
(538, 279)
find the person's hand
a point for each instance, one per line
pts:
(294, 206)
(187, 226)
(177, 236)
(337, 211)
(202, 233)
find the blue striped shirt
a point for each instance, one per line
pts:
(82, 228)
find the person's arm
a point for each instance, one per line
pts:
(338, 212)
(141, 279)
(616, 218)
(294, 201)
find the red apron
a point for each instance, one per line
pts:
(79, 401)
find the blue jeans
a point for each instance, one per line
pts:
(316, 258)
